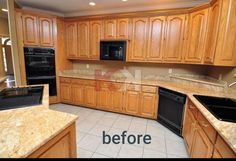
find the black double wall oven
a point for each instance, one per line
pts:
(40, 67)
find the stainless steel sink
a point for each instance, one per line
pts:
(223, 109)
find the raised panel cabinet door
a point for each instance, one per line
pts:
(46, 32)
(110, 29)
(96, 32)
(212, 32)
(66, 93)
(30, 30)
(196, 36)
(156, 38)
(78, 94)
(83, 40)
(138, 42)
(132, 102)
(123, 28)
(202, 146)
(226, 43)
(90, 95)
(104, 98)
(148, 105)
(188, 129)
(174, 38)
(71, 39)
(117, 101)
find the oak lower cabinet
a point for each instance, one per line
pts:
(78, 94)
(65, 90)
(61, 146)
(104, 98)
(132, 102)
(90, 96)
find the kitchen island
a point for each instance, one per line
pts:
(37, 132)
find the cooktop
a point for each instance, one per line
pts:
(11, 98)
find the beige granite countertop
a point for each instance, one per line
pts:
(24, 130)
(226, 129)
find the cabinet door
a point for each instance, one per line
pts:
(216, 154)
(202, 146)
(110, 29)
(46, 32)
(148, 105)
(96, 32)
(30, 30)
(132, 102)
(138, 42)
(212, 32)
(66, 93)
(90, 95)
(156, 39)
(188, 130)
(71, 40)
(78, 94)
(226, 44)
(117, 101)
(104, 98)
(123, 28)
(83, 40)
(174, 38)
(196, 36)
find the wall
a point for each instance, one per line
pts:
(226, 72)
(4, 30)
(147, 69)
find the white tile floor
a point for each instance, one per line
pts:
(91, 123)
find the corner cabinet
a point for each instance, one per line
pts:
(174, 38)
(71, 39)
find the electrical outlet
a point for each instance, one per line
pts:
(87, 66)
(170, 71)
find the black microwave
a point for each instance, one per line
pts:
(113, 50)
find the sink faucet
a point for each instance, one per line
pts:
(232, 84)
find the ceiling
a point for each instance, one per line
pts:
(69, 8)
(3, 4)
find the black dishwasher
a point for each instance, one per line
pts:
(171, 110)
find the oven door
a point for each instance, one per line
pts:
(40, 65)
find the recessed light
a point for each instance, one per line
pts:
(92, 3)
(124, 0)
(5, 10)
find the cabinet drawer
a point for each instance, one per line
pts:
(65, 80)
(193, 109)
(133, 87)
(223, 148)
(89, 82)
(78, 81)
(149, 89)
(207, 128)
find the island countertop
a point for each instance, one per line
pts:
(24, 130)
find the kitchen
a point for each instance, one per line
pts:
(83, 72)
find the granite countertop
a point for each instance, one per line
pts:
(24, 130)
(226, 129)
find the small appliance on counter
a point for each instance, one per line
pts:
(40, 67)
(113, 50)
(12, 98)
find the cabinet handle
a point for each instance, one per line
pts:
(191, 107)
(204, 124)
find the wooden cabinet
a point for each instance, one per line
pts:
(95, 34)
(156, 38)
(196, 36)
(66, 92)
(83, 40)
(122, 28)
(117, 98)
(71, 39)
(212, 32)
(46, 32)
(174, 38)
(90, 96)
(148, 106)
(138, 43)
(222, 150)
(201, 146)
(78, 94)
(30, 30)
(104, 98)
(132, 102)
(110, 29)
(226, 42)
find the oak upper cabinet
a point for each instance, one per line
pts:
(212, 32)
(83, 40)
(196, 36)
(226, 42)
(122, 31)
(30, 30)
(201, 147)
(71, 39)
(132, 102)
(46, 32)
(110, 29)
(95, 35)
(138, 43)
(156, 38)
(174, 38)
